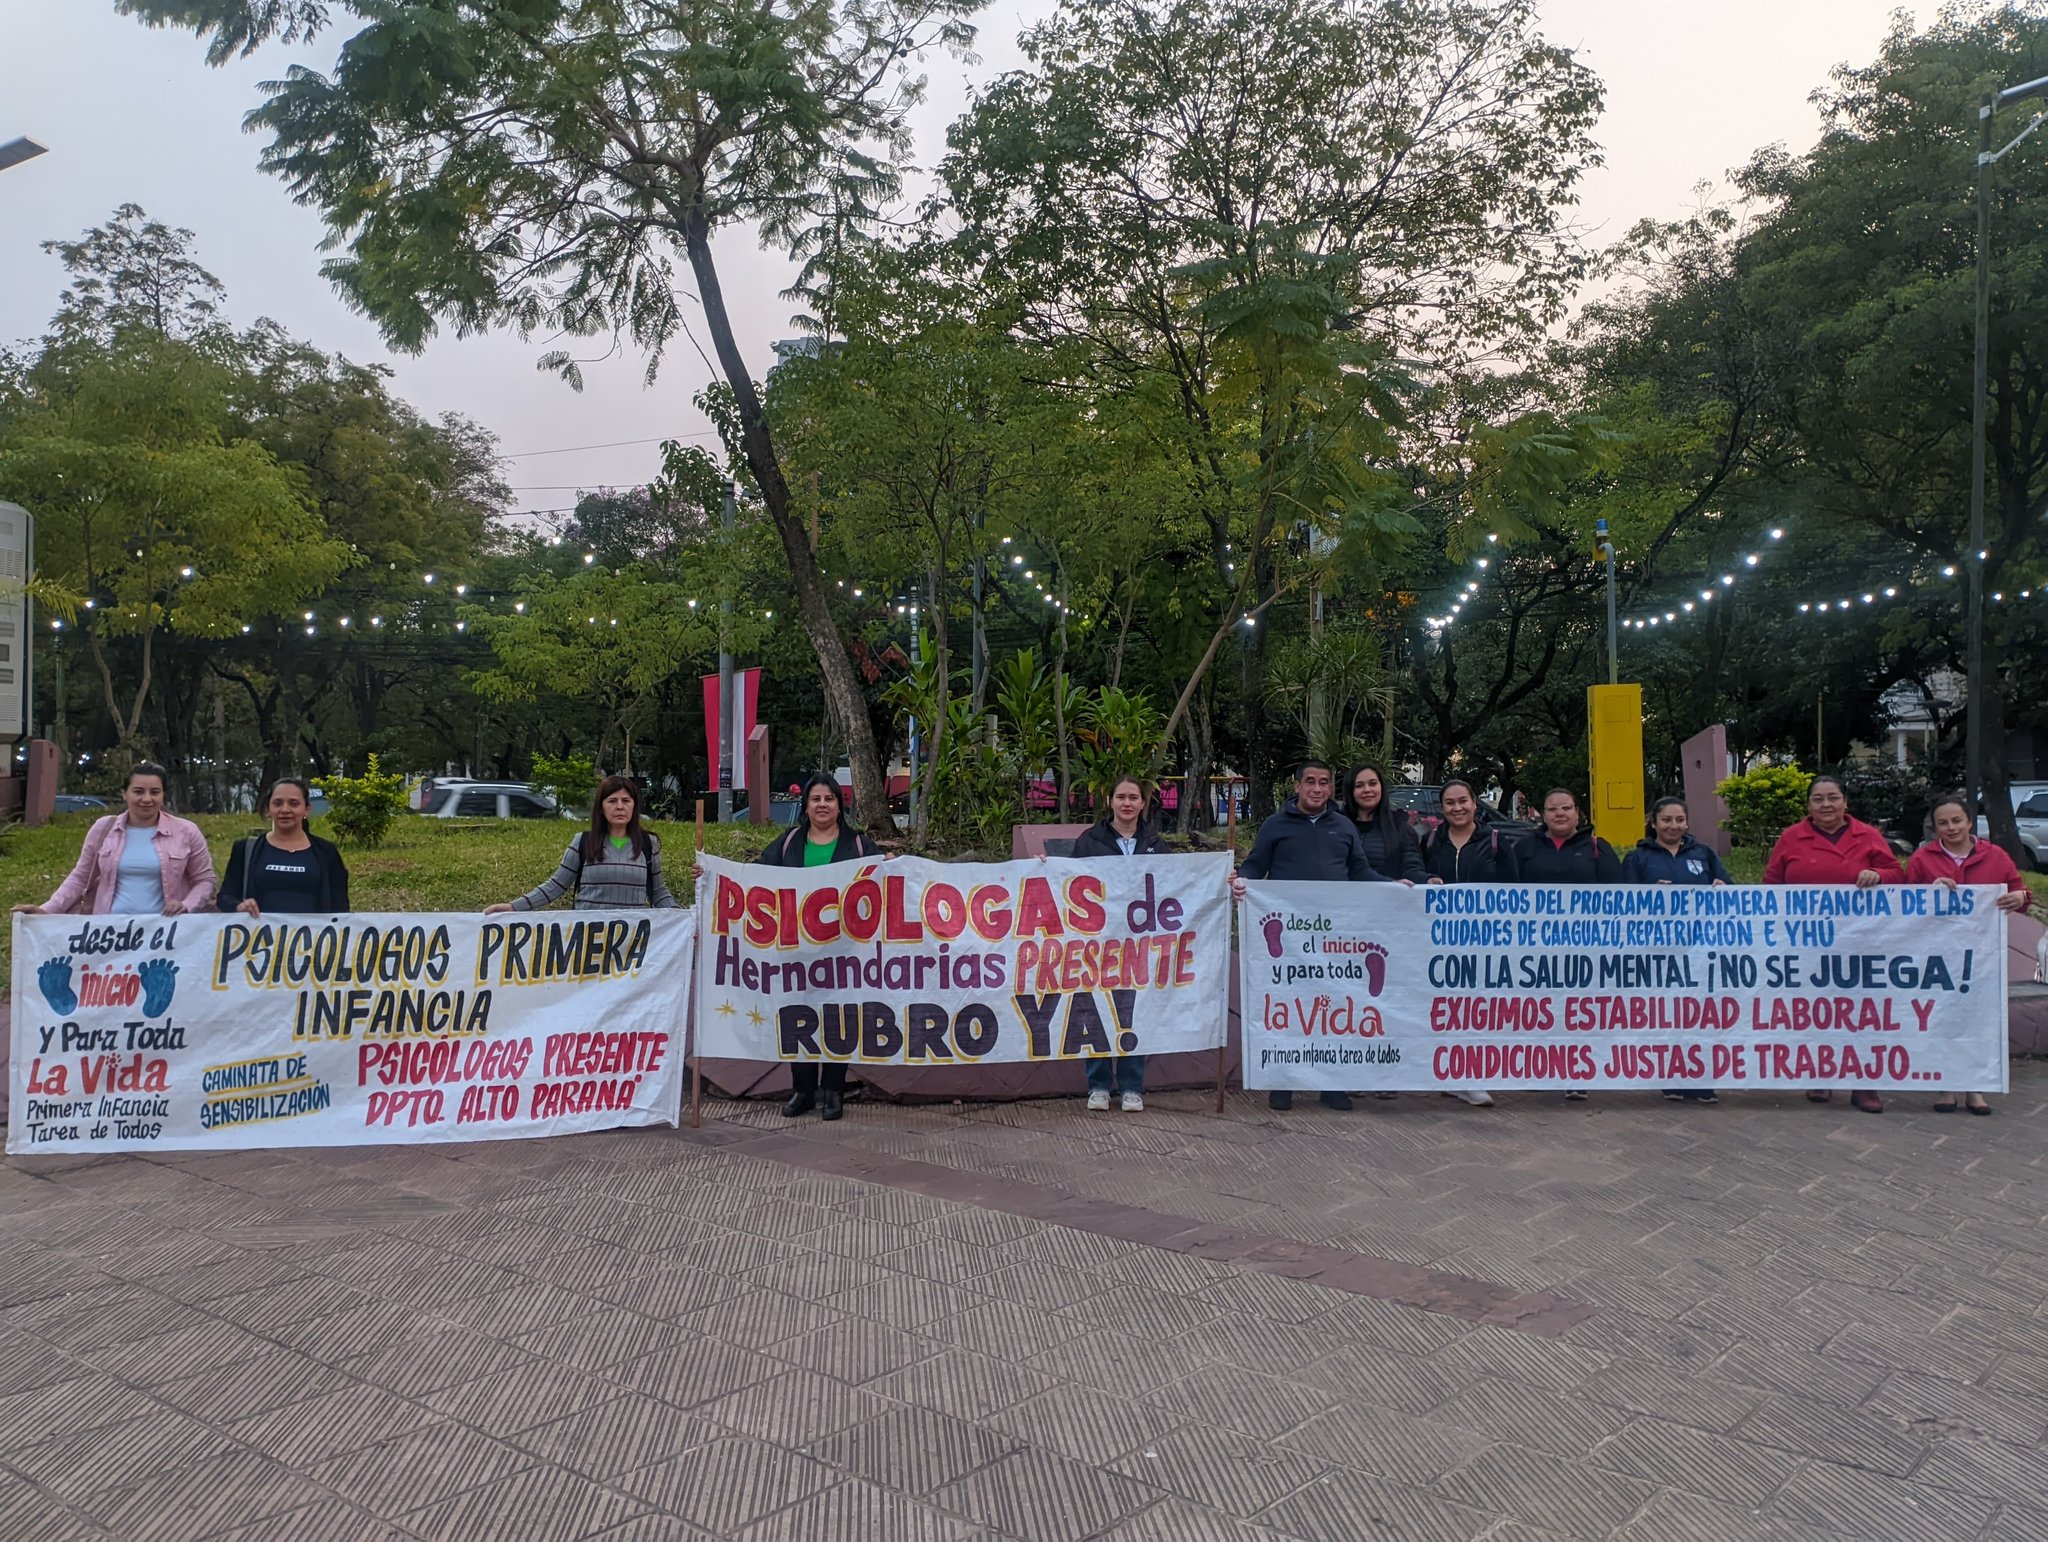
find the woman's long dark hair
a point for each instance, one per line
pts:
(1386, 819)
(601, 828)
(801, 829)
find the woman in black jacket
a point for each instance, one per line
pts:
(1461, 849)
(1127, 832)
(1561, 852)
(1383, 830)
(821, 837)
(289, 871)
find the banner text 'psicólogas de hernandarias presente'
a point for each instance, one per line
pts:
(911, 962)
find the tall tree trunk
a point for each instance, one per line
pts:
(843, 696)
(1194, 801)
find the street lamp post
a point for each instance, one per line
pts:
(1973, 738)
(1607, 556)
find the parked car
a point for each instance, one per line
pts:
(1425, 808)
(2030, 813)
(488, 800)
(81, 803)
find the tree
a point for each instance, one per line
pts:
(542, 165)
(1863, 256)
(1251, 210)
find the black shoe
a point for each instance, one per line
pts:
(1279, 1100)
(829, 1105)
(1673, 1095)
(799, 1103)
(1706, 1095)
(1339, 1100)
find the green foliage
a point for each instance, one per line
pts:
(572, 779)
(1897, 799)
(1763, 802)
(1331, 682)
(1121, 732)
(360, 808)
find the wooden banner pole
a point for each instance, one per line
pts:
(1223, 1049)
(696, 1065)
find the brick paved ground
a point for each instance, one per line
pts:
(1642, 1321)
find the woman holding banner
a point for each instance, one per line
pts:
(145, 861)
(290, 871)
(1955, 858)
(614, 865)
(1829, 846)
(1127, 832)
(1458, 851)
(820, 838)
(1667, 853)
(1383, 830)
(1562, 852)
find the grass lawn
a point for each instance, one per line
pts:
(425, 864)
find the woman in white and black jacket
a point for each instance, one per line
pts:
(1127, 832)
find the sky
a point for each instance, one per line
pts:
(134, 115)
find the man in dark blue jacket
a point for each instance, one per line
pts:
(1308, 841)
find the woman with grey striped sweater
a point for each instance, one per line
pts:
(615, 865)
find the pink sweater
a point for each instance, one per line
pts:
(180, 852)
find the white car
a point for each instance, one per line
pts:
(2030, 812)
(487, 800)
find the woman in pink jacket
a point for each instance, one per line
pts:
(142, 862)
(1955, 858)
(1831, 846)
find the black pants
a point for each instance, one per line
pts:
(803, 1076)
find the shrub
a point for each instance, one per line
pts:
(360, 808)
(1763, 802)
(572, 779)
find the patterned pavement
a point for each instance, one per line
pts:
(1417, 1320)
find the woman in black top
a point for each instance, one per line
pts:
(1127, 832)
(1561, 852)
(290, 871)
(1383, 830)
(822, 836)
(1461, 849)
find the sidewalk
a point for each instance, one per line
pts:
(1417, 1320)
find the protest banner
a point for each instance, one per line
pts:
(200, 1032)
(911, 962)
(1378, 987)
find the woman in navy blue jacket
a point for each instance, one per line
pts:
(1667, 853)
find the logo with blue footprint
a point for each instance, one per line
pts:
(154, 982)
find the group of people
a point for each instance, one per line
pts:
(1319, 837)
(146, 860)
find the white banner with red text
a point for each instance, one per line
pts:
(912, 962)
(1384, 988)
(210, 1031)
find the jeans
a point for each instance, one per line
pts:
(1129, 1071)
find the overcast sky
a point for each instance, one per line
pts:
(132, 115)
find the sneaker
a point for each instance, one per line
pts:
(1706, 1095)
(1280, 1100)
(1476, 1099)
(1575, 1095)
(1337, 1100)
(1674, 1095)
(1098, 1102)
(1133, 1103)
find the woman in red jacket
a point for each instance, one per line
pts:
(1829, 846)
(1953, 859)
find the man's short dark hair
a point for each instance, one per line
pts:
(1313, 764)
